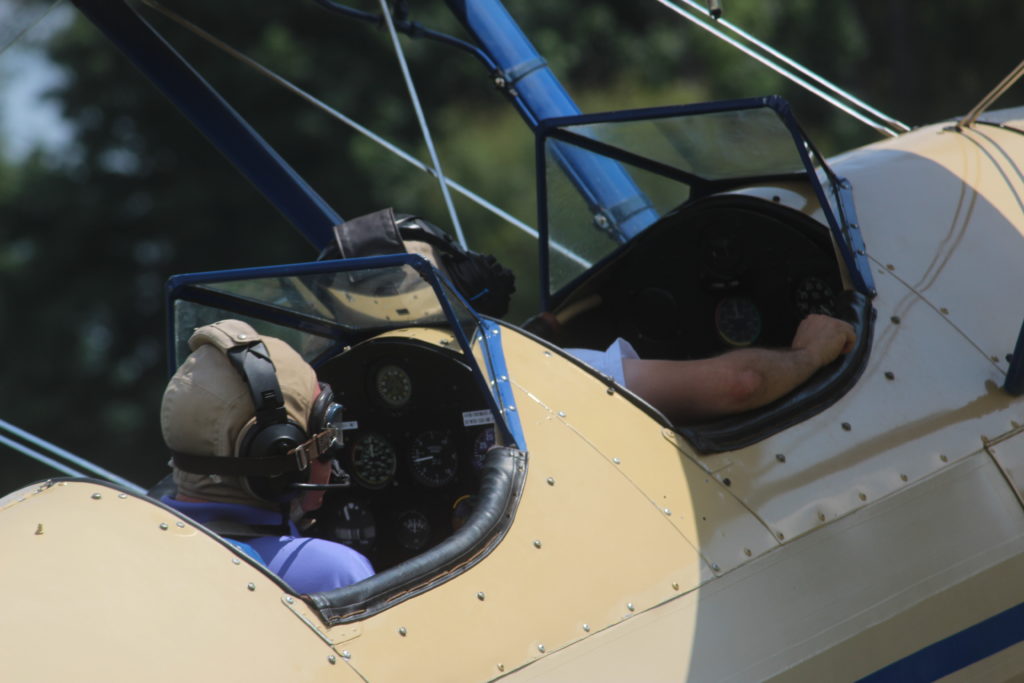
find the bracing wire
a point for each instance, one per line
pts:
(840, 98)
(359, 128)
(56, 454)
(418, 109)
(6, 42)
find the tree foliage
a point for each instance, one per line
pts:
(88, 238)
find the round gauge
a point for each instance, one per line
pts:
(433, 459)
(481, 444)
(373, 460)
(738, 321)
(354, 526)
(462, 509)
(393, 385)
(413, 530)
(814, 295)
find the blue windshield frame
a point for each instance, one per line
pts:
(187, 287)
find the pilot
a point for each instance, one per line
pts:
(252, 436)
(733, 382)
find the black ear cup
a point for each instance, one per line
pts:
(270, 441)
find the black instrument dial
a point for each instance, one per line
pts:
(413, 530)
(374, 460)
(393, 385)
(481, 444)
(814, 295)
(738, 321)
(354, 526)
(433, 458)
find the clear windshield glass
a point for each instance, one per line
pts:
(316, 310)
(668, 158)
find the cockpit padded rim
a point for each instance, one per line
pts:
(501, 483)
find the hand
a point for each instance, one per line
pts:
(824, 338)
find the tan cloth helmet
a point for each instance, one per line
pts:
(208, 410)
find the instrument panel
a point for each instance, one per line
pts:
(725, 273)
(418, 430)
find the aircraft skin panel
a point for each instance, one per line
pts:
(548, 584)
(104, 585)
(858, 595)
(958, 249)
(659, 462)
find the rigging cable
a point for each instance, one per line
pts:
(58, 452)
(882, 123)
(6, 43)
(359, 128)
(427, 138)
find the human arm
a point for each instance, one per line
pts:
(739, 380)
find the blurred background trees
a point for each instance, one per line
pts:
(91, 228)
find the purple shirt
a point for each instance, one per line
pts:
(308, 565)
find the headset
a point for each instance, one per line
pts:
(274, 452)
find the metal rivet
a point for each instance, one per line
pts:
(944, 311)
(536, 544)
(561, 413)
(540, 648)
(96, 496)
(776, 198)
(332, 659)
(611, 390)
(345, 654)
(821, 516)
(727, 481)
(862, 496)
(548, 354)
(895, 320)
(715, 567)
(890, 266)
(903, 477)
(861, 252)
(481, 596)
(781, 536)
(401, 631)
(501, 667)
(748, 552)
(780, 457)
(243, 336)
(289, 599)
(235, 560)
(943, 458)
(503, 378)
(616, 461)
(251, 586)
(39, 529)
(846, 427)
(551, 481)
(630, 606)
(889, 375)
(995, 359)
(675, 585)
(122, 495)
(180, 525)
(667, 511)
(511, 409)
(586, 628)
(163, 526)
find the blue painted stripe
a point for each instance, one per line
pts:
(959, 650)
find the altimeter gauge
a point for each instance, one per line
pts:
(433, 458)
